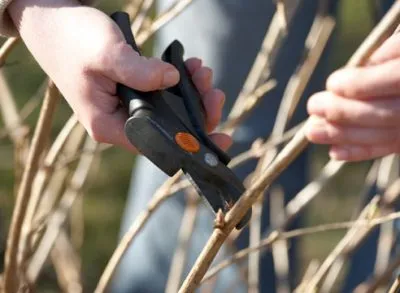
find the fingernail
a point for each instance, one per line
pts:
(318, 133)
(339, 154)
(316, 129)
(315, 105)
(337, 79)
(170, 78)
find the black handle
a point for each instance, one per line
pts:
(132, 99)
(191, 97)
(122, 20)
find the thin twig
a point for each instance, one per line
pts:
(12, 276)
(279, 248)
(40, 181)
(60, 214)
(6, 49)
(338, 265)
(395, 288)
(264, 61)
(276, 235)
(178, 262)
(255, 237)
(66, 264)
(310, 271)
(250, 103)
(141, 15)
(287, 155)
(163, 19)
(133, 8)
(315, 43)
(298, 203)
(159, 197)
(55, 187)
(381, 279)
(387, 172)
(355, 230)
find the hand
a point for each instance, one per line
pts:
(359, 113)
(85, 54)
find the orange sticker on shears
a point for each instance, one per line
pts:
(187, 142)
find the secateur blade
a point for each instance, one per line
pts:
(168, 127)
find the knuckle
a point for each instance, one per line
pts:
(102, 52)
(335, 133)
(151, 77)
(335, 112)
(353, 91)
(387, 116)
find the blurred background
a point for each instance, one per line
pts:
(106, 191)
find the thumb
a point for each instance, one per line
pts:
(126, 66)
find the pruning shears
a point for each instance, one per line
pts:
(168, 127)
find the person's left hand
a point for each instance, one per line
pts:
(359, 113)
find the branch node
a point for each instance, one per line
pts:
(219, 221)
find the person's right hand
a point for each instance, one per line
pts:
(85, 54)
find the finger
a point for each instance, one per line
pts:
(223, 140)
(388, 51)
(125, 66)
(360, 152)
(322, 132)
(366, 82)
(373, 113)
(213, 102)
(202, 78)
(193, 64)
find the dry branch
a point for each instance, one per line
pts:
(275, 236)
(163, 19)
(288, 154)
(57, 219)
(279, 248)
(180, 256)
(293, 208)
(159, 197)
(40, 181)
(142, 14)
(355, 230)
(67, 265)
(395, 288)
(263, 63)
(381, 279)
(12, 275)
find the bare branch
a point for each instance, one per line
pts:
(180, 256)
(288, 154)
(60, 214)
(12, 276)
(159, 197)
(161, 20)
